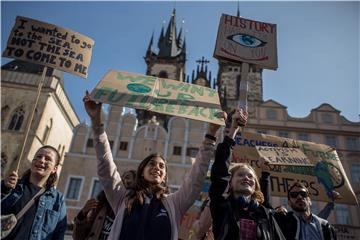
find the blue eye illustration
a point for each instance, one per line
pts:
(246, 40)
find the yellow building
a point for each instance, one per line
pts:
(54, 118)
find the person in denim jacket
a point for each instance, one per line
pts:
(46, 219)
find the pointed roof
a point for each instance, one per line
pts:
(150, 49)
(169, 43)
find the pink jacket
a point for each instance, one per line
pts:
(176, 203)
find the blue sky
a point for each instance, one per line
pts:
(318, 44)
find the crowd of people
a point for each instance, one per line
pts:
(138, 205)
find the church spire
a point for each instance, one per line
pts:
(168, 45)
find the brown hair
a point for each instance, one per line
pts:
(298, 185)
(143, 187)
(53, 177)
(257, 195)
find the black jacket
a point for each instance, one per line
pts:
(289, 223)
(225, 211)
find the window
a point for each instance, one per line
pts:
(352, 144)
(96, 188)
(192, 152)
(355, 172)
(331, 140)
(17, 119)
(261, 131)
(271, 114)
(327, 118)
(73, 190)
(90, 143)
(283, 134)
(230, 69)
(177, 150)
(163, 74)
(123, 146)
(342, 214)
(303, 136)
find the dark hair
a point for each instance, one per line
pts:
(142, 187)
(298, 185)
(53, 177)
(132, 172)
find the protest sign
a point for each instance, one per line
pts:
(283, 156)
(159, 95)
(322, 178)
(244, 40)
(46, 44)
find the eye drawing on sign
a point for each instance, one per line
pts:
(329, 176)
(246, 40)
(138, 88)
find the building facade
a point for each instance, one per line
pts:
(133, 137)
(54, 118)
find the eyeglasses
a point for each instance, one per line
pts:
(303, 194)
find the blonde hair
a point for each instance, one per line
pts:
(257, 194)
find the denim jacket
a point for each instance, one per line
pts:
(50, 219)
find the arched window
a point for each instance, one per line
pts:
(47, 131)
(17, 119)
(163, 74)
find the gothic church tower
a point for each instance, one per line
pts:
(166, 62)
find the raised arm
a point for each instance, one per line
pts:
(107, 170)
(220, 169)
(192, 185)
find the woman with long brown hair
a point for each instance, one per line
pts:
(148, 211)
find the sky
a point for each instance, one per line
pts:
(318, 44)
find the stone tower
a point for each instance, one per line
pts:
(168, 61)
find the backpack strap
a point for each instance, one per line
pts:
(29, 204)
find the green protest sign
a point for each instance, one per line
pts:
(160, 95)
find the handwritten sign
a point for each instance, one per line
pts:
(159, 95)
(283, 156)
(244, 40)
(325, 175)
(46, 44)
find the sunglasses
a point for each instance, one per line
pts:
(303, 194)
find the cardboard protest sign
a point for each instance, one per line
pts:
(283, 156)
(159, 95)
(322, 178)
(46, 44)
(244, 40)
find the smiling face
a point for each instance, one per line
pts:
(155, 171)
(44, 163)
(243, 181)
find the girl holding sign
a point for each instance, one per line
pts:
(236, 199)
(149, 211)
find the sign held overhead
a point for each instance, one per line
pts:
(244, 40)
(46, 44)
(160, 95)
